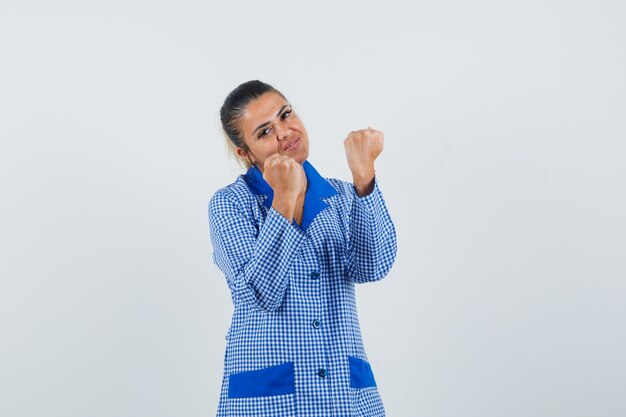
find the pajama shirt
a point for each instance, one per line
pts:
(294, 346)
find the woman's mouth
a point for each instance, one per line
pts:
(292, 145)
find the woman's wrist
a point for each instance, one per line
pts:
(286, 207)
(363, 185)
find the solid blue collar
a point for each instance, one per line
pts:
(317, 188)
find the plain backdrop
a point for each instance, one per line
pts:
(503, 171)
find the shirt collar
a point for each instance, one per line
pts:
(317, 188)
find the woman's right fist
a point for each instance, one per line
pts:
(285, 175)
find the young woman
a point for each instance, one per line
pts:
(292, 244)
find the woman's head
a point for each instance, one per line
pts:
(259, 122)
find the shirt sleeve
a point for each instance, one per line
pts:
(372, 244)
(255, 261)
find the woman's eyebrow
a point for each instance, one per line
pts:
(267, 123)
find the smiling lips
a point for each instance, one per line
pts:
(292, 144)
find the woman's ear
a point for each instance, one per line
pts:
(245, 155)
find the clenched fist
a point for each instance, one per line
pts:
(362, 148)
(288, 181)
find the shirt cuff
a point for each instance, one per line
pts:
(369, 199)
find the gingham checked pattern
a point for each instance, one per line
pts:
(293, 291)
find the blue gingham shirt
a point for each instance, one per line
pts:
(294, 346)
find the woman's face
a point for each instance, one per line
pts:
(268, 126)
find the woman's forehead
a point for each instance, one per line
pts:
(265, 107)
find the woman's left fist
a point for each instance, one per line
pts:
(362, 148)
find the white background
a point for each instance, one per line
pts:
(503, 170)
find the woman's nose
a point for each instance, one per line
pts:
(282, 133)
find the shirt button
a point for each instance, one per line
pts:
(322, 373)
(316, 324)
(315, 275)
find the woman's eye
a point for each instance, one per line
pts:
(263, 132)
(286, 114)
